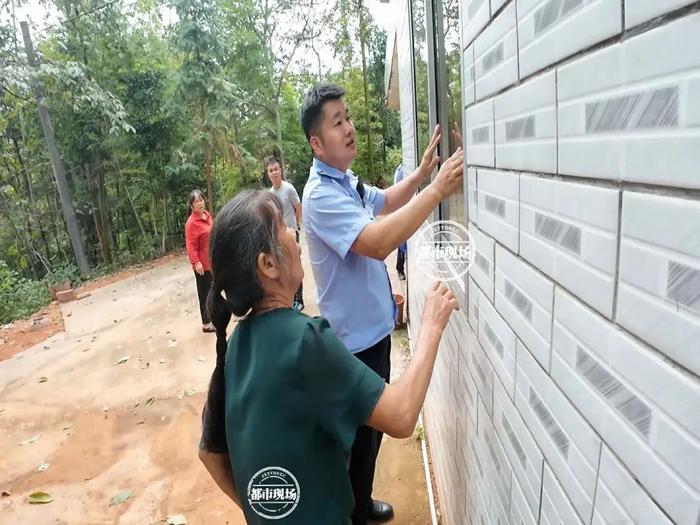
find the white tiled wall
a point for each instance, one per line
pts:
(478, 127)
(630, 110)
(567, 388)
(482, 270)
(525, 125)
(567, 441)
(619, 499)
(497, 205)
(659, 290)
(496, 55)
(524, 298)
(644, 409)
(549, 30)
(638, 11)
(569, 232)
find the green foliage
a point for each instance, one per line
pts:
(20, 297)
(141, 105)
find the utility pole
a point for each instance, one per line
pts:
(64, 192)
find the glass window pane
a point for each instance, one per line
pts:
(420, 50)
(452, 97)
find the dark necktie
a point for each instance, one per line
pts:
(361, 191)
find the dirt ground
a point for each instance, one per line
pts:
(114, 403)
(25, 333)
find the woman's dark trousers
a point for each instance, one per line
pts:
(203, 286)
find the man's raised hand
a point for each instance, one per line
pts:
(449, 178)
(430, 158)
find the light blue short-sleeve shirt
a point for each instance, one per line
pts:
(353, 291)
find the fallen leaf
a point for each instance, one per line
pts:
(30, 440)
(141, 422)
(43, 379)
(6, 493)
(85, 349)
(37, 498)
(67, 427)
(120, 497)
(176, 519)
(42, 467)
(189, 392)
(150, 401)
(122, 360)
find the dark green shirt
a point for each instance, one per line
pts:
(295, 397)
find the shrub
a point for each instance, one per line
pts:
(20, 297)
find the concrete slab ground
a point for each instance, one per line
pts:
(114, 403)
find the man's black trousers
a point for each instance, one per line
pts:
(367, 440)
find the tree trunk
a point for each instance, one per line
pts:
(370, 146)
(57, 164)
(207, 171)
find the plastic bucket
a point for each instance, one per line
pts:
(399, 300)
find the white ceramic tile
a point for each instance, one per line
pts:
(556, 507)
(566, 440)
(484, 261)
(482, 373)
(526, 126)
(497, 205)
(468, 78)
(524, 298)
(498, 341)
(478, 127)
(644, 409)
(631, 111)
(638, 11)
(619, 499)
(549, 30)
(524, 454)
(498, 471)
(475, 16)
(520, 513)
(467, 391)
(569, 232)
(471, 194)
(659, 289)
(496, 5)
(473, 300)
(496, 54)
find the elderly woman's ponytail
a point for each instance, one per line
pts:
(244, 228)
(214, 438)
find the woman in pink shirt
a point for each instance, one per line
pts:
(197, 231)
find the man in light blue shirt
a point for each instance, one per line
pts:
(347, 248)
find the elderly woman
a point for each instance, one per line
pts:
(197, 230)
(286, 397)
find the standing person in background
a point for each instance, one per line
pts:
(401, 254)
(197, 230)
(291, 209)
(347, 248)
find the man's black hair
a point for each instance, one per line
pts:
(273, 159)
(312, 108)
